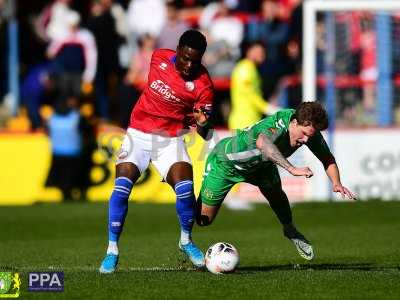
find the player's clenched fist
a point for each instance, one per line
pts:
(305, 171)
(202, 114)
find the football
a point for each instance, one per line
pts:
(222, 258)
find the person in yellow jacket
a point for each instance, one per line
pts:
(248, 104)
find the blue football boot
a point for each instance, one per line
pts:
(109, 264)
(193, 253)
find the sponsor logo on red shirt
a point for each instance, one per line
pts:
(161, 89)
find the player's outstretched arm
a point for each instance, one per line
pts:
(272, 153)
(332, 171)
(345, 192)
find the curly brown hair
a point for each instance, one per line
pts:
(312, 113)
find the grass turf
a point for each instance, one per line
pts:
(356, 245)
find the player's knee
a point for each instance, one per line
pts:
(274, 194)
(128, 170)
(179, 172)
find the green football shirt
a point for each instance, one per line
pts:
(240, 151)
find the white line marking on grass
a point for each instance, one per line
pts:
(93, 269)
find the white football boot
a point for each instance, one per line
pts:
(302, 245)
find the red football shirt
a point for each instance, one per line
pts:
(167, 102)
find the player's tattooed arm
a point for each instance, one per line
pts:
(272, 152)
(268, 148)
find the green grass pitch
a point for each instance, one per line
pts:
(357, 248)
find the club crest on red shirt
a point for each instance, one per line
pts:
(189, 86)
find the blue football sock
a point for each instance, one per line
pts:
(118, 207)
(185, 208)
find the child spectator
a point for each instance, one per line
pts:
(69, 169)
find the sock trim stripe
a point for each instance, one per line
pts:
(184, 188)
(124, 178)
(121, 191)
(182, 183)
(184, 194)
(122, 187)
(183, 197)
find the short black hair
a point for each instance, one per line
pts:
(193, 39)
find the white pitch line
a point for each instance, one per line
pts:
(92, 269)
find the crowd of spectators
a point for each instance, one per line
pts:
(99, 51)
